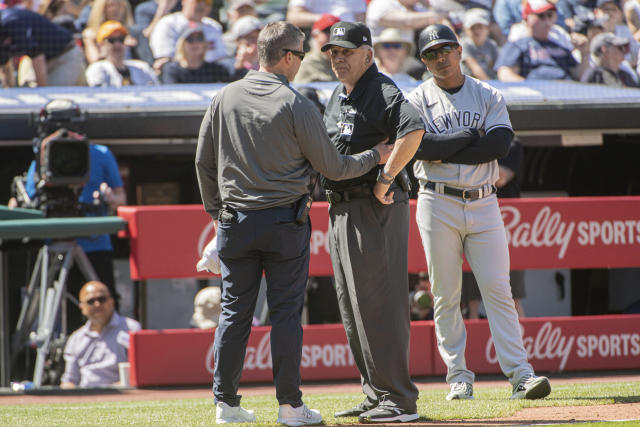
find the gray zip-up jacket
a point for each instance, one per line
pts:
(257, 142)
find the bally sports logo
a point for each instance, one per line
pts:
(552, 344)
(549, 230)
(329, 355)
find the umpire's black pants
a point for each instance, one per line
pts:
(369, 250)
(261, 240)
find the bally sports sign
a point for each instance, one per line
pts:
(185, 356)
(594, 232)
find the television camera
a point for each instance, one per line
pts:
(62, 161)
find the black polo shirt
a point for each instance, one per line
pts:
(376, 109)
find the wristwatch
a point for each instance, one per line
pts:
(384, 177)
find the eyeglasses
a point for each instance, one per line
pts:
(397, 45)
(549, 14)
(114, 40)
(432, 54)
(297, 53)
(195, 38)
(92, 301)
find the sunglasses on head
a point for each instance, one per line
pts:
(297, 53)
(194, 38)
(432, 54)
(394, 45)
(114, 40)
(92, 301)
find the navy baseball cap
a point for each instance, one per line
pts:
(351, 35)
(435, 34)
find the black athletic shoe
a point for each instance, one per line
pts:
(355, 411)
(386, 414)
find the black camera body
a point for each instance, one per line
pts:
(63, 161)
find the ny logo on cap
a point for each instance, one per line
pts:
(433, 35)
(338, 31)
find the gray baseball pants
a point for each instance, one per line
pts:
(369, 249)
(450, 227)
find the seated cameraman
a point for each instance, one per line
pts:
(93, 352)
(102, 194)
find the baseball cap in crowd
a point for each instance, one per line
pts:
(394, 35)
(536, 7)
(434, 35)
(107, 29)
(245, 25)
(325, 22)
(191, 29)
(237, 4)
(350, 35)
(585, 20)
(476, 16)
(606, 39)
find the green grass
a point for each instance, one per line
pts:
(489, 403)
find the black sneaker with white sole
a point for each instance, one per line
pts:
(386, 414)
(355, 411)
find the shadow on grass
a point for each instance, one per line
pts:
(422, 421)
(616, 399)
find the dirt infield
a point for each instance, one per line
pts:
(539, 415)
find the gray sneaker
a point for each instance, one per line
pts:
(460, 390)
(531, 387)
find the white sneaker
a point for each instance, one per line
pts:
(460, 390)
(300, 416)
(233, 414)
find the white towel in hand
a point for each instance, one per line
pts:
(210, 260)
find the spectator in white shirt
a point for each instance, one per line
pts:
(114, 70)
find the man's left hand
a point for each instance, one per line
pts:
(382, 193)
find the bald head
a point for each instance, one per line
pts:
(92, 286)
(96, 304)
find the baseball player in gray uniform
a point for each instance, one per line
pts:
(468, 128)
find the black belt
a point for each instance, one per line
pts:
(356, 192)
(475, 194)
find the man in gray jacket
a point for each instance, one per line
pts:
(258, 141)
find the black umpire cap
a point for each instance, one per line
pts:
(435, 34)
(348, 34)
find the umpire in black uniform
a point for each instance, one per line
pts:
(369, 225)
(258, 141)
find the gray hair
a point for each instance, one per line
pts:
(275, 37)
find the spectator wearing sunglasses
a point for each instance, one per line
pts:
(608, 51)
(317, 67)
(93, 352)
(167, 31)
(189, 65)
(114, 70)
(538, 56)
(391, 52)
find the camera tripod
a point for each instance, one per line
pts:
(46, 297)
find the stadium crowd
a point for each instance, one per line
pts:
(113, 43)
